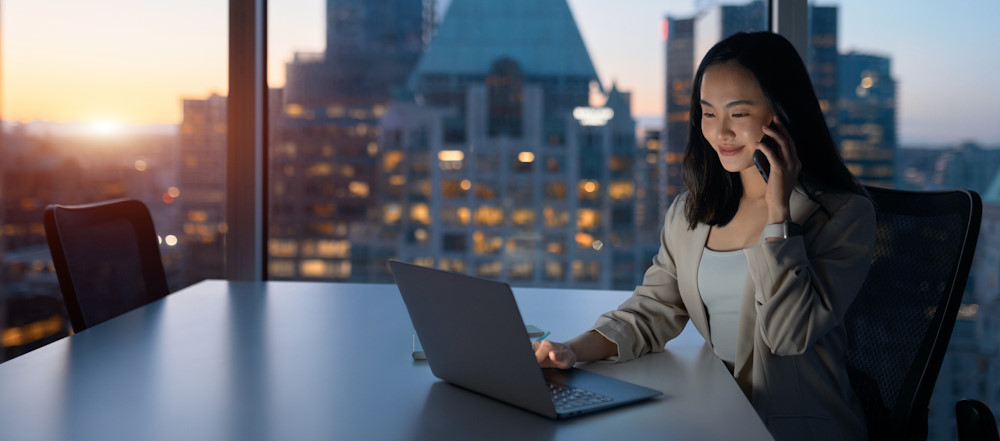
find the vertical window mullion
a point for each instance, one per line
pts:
(246, 115)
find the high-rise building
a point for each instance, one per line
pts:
(822, 59)
(720, 21)
(498, 166)
(680, 69)
(202, 179)
(866, 122)
(323, 157)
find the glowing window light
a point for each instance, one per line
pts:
(593, 116)
(526, 157)
(294, 110)
(451, 155)
(465, 184)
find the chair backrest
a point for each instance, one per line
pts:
(975, 421)
(899, 326)
(107, 259)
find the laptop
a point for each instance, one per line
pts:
(474, 337)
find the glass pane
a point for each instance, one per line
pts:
(101, 100)
(516, 140)
(910, 103)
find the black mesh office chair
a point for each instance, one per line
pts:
(975, 421)
(899, 325)
(107, 259)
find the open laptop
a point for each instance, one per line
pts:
(474, 337)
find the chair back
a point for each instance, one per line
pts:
(107, 259)
(899, 325)
(975, 421)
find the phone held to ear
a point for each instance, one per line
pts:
(763, 166)
(759, 160)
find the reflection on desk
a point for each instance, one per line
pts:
(293, 360)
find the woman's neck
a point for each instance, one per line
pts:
(754, 186)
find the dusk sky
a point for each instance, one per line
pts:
(126, 62)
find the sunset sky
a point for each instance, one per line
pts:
(131, 62)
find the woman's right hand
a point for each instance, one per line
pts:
(552, 354)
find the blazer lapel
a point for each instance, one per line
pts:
(801, 208)
(688, 283)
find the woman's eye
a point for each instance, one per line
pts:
(739, 115)
(708, 114)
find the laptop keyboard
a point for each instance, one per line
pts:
(569, 397)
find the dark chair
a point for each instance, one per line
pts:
(975, 421)
(899, 326)
(107, 259)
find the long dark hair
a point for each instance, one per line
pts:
(714, 192)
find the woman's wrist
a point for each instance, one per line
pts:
(779, 215)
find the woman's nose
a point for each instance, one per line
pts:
(724, 131)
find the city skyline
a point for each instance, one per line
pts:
(104, 92)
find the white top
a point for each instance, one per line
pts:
(721, 276)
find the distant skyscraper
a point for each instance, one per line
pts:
(323, 159)
(822, 58)
(680, 69)
(866, 125)
(202, 179)
(498, 167)
(720, 21)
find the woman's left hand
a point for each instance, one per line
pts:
(785, 168)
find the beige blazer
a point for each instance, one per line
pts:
(791, 342)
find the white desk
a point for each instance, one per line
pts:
(296, 361)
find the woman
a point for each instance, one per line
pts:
(764, 270)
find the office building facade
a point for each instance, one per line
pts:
(323, 156)
(822, 59)
(202, 178)
(866, 122)
(681, 65)
(499, 167)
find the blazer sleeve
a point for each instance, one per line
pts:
(655, 313)
(805, 284)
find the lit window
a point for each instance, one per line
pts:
(589, 189)
(454, 265)
(391, 213)
(555, 218)
(319, 169)
(483, 244)
(391, 160)
(420, 213)
(488, 269)
(282, 248)
(294, 110)
(333, 248)
(620, 190)
(488, 215)
(588, 219)
(358, 189)
(524, 216)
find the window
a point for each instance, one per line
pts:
(98, 106)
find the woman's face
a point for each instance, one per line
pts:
(733, 109)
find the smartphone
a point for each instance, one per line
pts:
(759, 160)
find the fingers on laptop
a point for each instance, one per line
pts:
(551, 354)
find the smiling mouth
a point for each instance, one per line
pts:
(730, 151)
